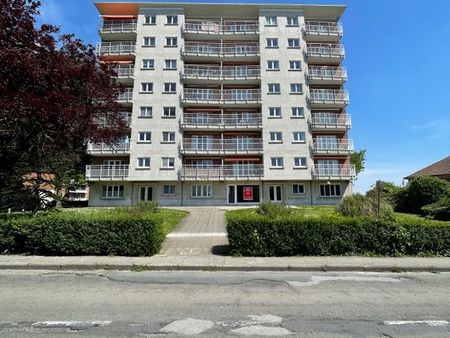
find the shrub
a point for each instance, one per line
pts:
(439, 210)
(425, 190)
(273, 209)
(389, 194)
(362, 206)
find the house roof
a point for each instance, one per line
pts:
(439, 168)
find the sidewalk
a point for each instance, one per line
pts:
(226, 263)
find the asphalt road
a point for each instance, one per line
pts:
(223, 304)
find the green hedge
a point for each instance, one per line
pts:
(123, 232)
(252, 234)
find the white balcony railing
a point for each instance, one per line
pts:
(118, 172)
(327, 50)
(233, 145)
(124, 71)
(221, 27)
(104, 148)
(330, 121)
(227, 120)
(118, 26)
(221, 96)
(116, 48)
(331, 146)
(126, 95)
(334, 171)
(191, 71)
(222, 172)
(327, 73)
(323, 28)
(328, 96)
(230, 49)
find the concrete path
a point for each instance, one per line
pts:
(201, 233)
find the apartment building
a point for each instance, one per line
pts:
(227, 104)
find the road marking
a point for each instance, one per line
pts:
(259, 330)
(417, 322)
(188, 326)
(266, 319)
(196, 234)
(93, 323)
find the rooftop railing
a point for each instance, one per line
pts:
(222, 172)
(221, 96)
(110, 172)
(221, 27)
(323, 28)
(118, 26)
(116, 48)
(225, 72)
(334, 171)
(229, 49)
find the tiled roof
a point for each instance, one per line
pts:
(439, 168)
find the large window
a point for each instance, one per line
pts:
(201, 191)
(330, 190)
(112, 191)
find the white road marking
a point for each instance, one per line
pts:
(266, 319)
(318, 279)
(188, 326)
(417, 322)
(72, 323)
(196, 234)
(259, 330)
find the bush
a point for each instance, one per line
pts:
(362, 206)
(273, 209)
(389, 194)
(252, 234)
(425, 190)
(439, 210)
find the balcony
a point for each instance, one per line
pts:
(328, 98)
(322, 31)
(235, 50)
(211, 28)
(223, 97)
(107, 172)
(205, 121)
(217, 73)
(334, 171)
(332, 53)
(118, 29)
(226, 146)
(326, 75)
(119, 48)
(328, 122)
(331, 147)
(126, 97)
(108, 149)
(222, 172)
(124, 71)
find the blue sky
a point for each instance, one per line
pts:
(398, 62)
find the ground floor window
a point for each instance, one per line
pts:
(330, 190)
(202, 190)
(168, 190)
(298, 189)
(112, 191)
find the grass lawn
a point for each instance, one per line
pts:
(172, 217)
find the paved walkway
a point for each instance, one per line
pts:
(201, 233)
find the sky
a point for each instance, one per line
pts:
(398, 64)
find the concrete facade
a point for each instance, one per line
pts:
(224, 131)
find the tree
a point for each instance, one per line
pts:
(358, 158)
(53, 92)
(424, 190)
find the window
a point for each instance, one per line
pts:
(292, 21)
(149, 41)
(272, 43)
(273, 65)
(170, 64)
(169, 112)
(150, 20)
(274, 112)
(274, 88)
(271, 20)
(298, 137)
(276, 162)
(145, 136)
(146, 87)
(112, 191)
(145, 111)
(296, 88)
(297, 112)
(293, 43)
(168, 190)
(295, 65)
(168, 162)
(201, 191)
(298, 189)
(168, 137)
(171, 42)
(276, 136)
(148, 64)
(143, 162)
(299, 162)
(170, 87)
(330, 190)
(172, 20)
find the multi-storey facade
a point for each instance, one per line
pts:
(227, 104)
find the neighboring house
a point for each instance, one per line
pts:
(227, 104)
(440, 169)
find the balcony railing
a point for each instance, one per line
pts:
(118, 26)
(327, 50)
(124, 71)
(229, 49)
(327, 73)
(221, 96)
(333, 147)
(218, 27)
(323, 28)
(201, 120)
(222, 172)
(221, 73)
(104, 148)
(116, 48)
(328, 96)
(338, 171)
(118, 172)
(103, 121)
(126, 95)
(330, 121)
(233, 145)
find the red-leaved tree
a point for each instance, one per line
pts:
(53, 92)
